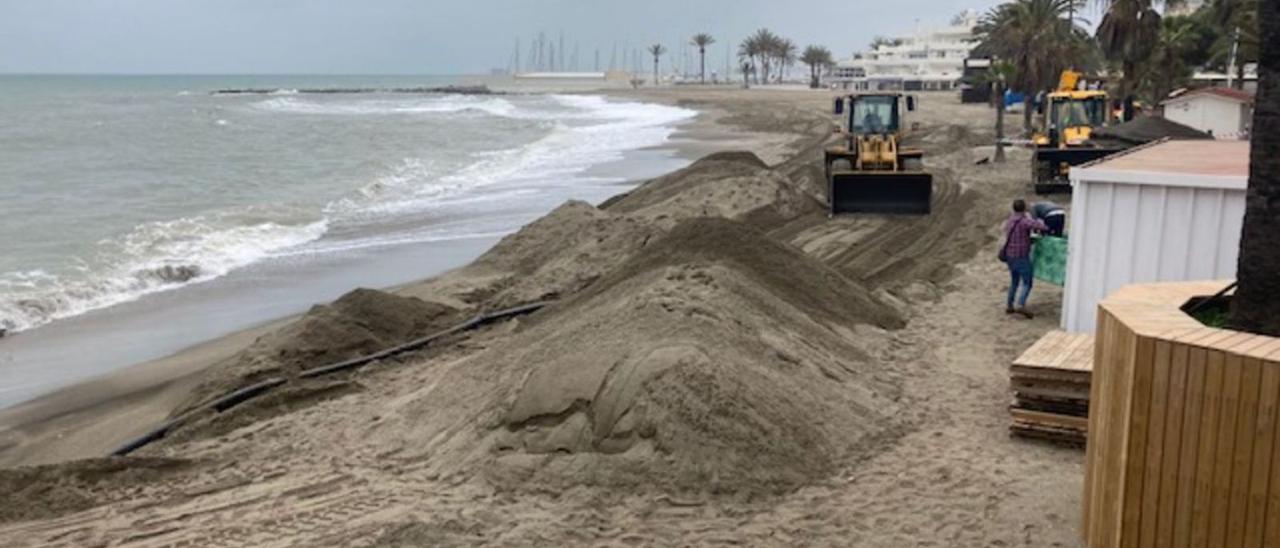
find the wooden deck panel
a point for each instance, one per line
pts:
(1060, 350)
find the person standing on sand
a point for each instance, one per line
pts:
(1054, 217)
(1017, 254)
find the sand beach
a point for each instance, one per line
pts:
(720, 363)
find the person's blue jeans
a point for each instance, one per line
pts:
(1020, 274)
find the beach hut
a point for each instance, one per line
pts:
(1170, 211)
(1222, 112)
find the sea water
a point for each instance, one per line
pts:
(116, 189)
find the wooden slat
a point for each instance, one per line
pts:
(1172, 451)
(1154, 457)
(1060, 421)
(1246, 347)
(1221, 480)
(1139, 425)
(1242, 458)
(1101, 477)
(1197, 359)
(1271, 530)
(1082, 378)
(1205, 454)
(1116, 420)
(1261, 352)
(1263, 454)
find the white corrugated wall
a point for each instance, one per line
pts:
(1122, 233)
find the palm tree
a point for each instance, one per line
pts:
(1256, 306)
(766, 43)
(786, 52)
(1038, 39)
(748, 50)
(1167, 69)
(818, 58)
(998, 76)
(656, 51)
(1237, 25)
(1128, 33)
(702, 40)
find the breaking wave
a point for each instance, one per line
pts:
(580, 132)
(153, 257)
(495, 106)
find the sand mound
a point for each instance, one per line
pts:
(358, 323)
(569, 248)
(560, 253)
(41, 492)
(715, 359)
(732, 185)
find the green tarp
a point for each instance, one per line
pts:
(1049, 255)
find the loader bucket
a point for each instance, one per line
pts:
(1050, 177)
(907, 192)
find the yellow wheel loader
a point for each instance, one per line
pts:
(1070, 116)
(869, 171)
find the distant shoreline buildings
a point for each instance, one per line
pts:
(930, 59)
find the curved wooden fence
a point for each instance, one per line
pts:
(1184, 441)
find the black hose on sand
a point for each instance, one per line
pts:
(241, 395)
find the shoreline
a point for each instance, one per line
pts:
(66, 418)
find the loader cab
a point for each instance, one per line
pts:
(873, 114)
(1071, 117)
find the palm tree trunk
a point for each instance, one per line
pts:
(655, 70)
(702, 64)
(1026, 112)
(1256, 306)
(1000, 122)
(1127, 85)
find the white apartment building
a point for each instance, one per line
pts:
(925, 60)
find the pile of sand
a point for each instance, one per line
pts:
(40, 492)
(730, 185)
(360, 322)
(569, 248)
(715, 359)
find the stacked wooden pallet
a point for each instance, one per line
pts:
(1051, 388)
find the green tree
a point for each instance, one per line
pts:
(1182, 46)
(818, 58)
(656, 51)
(1256, 306)
(1128, 34)
(1236, 23)
(766, 49)
(1039, 41)
(749, 51)
(702, 40)
(785, 51)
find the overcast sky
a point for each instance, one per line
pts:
(412, 36)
